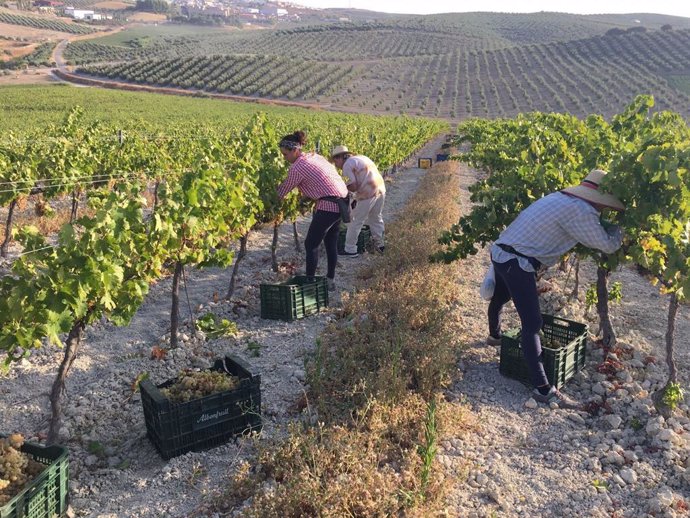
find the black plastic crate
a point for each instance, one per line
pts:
(200, 424)
(362, 240)
(47, 495)
(560, 364)
(298, 297)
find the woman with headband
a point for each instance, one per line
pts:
(315, 177)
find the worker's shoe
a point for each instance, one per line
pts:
(556, 396)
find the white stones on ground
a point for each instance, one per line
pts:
(200, 363)
(91, 460)
(599, 388)
(593, 464)
(664, 499)
(531, 403)
(598, 377)
(633, 388)
(666, 435)
(613, 421)
(616, 479)
(623, 395)
(628, 475)
(654, 426)
(630, 456)
(613, 457)
(576, 418)
(686, 475)
(477, 479)
(482, 479)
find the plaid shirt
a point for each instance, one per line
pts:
(551, 226)
(315, 177)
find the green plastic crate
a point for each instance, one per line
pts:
(200, 424)
(298, 297)
(559, 364)
(362, 240)
(47, 495)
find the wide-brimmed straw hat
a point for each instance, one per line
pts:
(339, 150)
(588, 190)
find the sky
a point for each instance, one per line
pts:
(671, 7)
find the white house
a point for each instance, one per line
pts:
(79, 14)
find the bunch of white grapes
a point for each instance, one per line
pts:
(16, 468)
(192, 384)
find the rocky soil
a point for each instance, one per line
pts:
(524, 459)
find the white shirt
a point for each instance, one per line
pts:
(363, 173)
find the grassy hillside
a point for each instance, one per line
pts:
(376, 38)
(451, 66)
(430, 74)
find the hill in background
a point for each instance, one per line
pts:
(451, 66)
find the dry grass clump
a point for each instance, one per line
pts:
(375, 382)
(368, 469)
(37, 211)
(398, 333)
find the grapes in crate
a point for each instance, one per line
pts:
(191, 384)
(16, 468)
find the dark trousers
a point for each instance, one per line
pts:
(512, 282)
(324, 227)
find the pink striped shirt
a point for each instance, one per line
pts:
(315, 177)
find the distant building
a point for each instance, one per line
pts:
(79, 14)
(86, 15)
(273, 10)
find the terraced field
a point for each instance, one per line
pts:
(39, 22)
(498, 65)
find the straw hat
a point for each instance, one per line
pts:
(339, 150)
(588, 190)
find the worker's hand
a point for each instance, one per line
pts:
(607, 225)
(616, 233)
